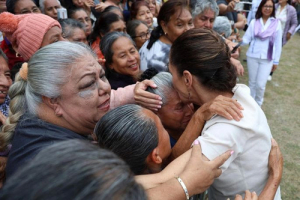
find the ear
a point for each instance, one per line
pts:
(164, 27)
(154, 157)
(188, 78)
(53, 104)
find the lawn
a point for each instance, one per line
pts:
(282, 108)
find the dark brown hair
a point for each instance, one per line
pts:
(205, 55)
(260, 7)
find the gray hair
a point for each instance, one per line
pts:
(222, 25)
(48, 70)
(129, 133)
(74, 169)
(2, 54)
(69, 25)
(106, 45)
(202, 5)
(163, 80)
(42, 5)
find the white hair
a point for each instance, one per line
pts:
(222, 25)
(42, 5)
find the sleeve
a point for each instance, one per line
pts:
(122, 96)
(220, 138)
(294, 21)
(278, 45)
(247, 38)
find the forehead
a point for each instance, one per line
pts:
(78, 32)
(269, 3)
(49, 3)
(85, 64)
(118, 24)
(21, 4)
(143, 8)
(141, 28)
(122, 43)
(181, 14)
(208, 13)
(80, 14)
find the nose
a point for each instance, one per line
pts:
(104, 87)
(131, 58)
(208, 24)
(55, 11)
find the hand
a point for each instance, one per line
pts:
(288, 36)
(2, 118)
(199, 174)
(239, 67)
(274, 68)
(231, 45)
(147, 99)
(230, 6)
(248, 196)
(275, 162)
(223, 106)
(89, 3)
(3, 161)
(101, 6)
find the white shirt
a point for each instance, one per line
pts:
(259, 48)
(252, 13)
(282, 16)
(250, 139)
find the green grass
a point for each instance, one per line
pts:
(282, 108)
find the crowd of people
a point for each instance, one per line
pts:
(138, 99)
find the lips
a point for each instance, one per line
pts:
(105, 106)
(134, 67)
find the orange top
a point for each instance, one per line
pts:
(96, 48)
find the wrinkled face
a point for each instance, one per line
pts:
(82, 16)
(179, 84)
(78, 36)
(25, 7)
(179, 23)
(2, 6)
(51, 7)
(267, 9)
(145, 15)
(142, 34)
(85, 98)
(118, 26)
(5, 79)
(164, 146)
(78, 3)
(126, 58)
(53, 35)
(205, 19)
(175, 115)
(152, 6)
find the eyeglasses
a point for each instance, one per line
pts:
(143, 36)
(268, 7)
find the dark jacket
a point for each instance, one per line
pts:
(117, 80)
(32, 135)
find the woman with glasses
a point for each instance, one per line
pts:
(139, 32)
(265, 35)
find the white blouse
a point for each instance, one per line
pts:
(282, 16)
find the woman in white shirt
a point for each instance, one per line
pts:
(201, 70)
(265, 37)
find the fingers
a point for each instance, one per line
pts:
(238, 197)
(227, 107)
(149, 83)
(220, 160)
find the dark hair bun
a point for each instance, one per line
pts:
(148, 74)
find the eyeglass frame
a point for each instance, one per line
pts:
(141, 36)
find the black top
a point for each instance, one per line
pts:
(117, 80)
(32, 135)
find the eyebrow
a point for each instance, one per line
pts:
(87, 74)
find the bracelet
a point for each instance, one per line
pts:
(183, 187)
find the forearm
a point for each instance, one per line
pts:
(270, 189)
(222, 9)
(192, 131)
(122, 96)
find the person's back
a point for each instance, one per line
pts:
(250, 138)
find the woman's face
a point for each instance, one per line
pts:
(53, 35)
(5, 79)
(267, 9)
(179, 23)
(85, 19)
(126, 58)
(118, 26)
(85, 98)
(152, 6)
(175, 115)
(142, 34)
(145, 15)
(25, 7)
(78, 3)
(78, 36)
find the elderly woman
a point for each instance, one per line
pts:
(139, 32)
(82, 16)
(42, 113)
(74, 180)
(122, 59)
(200, 77)
(73, 30)
(222, 26)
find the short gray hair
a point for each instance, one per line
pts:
(222, 25)
(202, 5)
(163, 80)
(42, 5)
(69, 25)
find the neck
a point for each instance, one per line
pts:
(265, 19)
(165, 39)
(282, 5)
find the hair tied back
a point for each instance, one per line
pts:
(24, 71)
